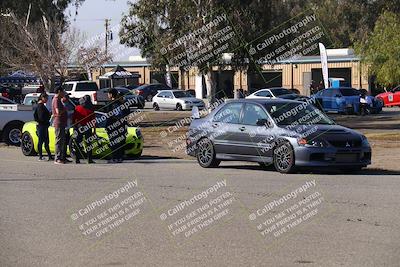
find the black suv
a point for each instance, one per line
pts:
(148, 91)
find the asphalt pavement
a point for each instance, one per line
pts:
(170, 212)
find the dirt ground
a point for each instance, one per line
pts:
(383, 131)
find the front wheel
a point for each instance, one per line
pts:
(12, 134)
(205, 154)
(179, 107)
(284, 161)
(27, 145)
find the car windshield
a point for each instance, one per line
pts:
(349, 92)
(296, 114)
(280, 91)
(29, 100)
(125, 92)
(181, 94)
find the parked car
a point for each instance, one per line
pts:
(6, 101)
(269, 93)
(100, 145)
(148, 91)
(176, 99)
(273, 93)
(341, 100)
(12, 119)
(391, 98)
(271, 133)
(137, 100)
(12, 93)
(78, 89)
(32, 99)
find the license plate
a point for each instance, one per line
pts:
(346, 158)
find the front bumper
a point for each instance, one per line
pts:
(331, 156)
(190, 106)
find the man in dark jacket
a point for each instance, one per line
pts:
(42, 116)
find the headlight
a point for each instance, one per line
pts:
(138, 133)
(365, 142)
(310, 143)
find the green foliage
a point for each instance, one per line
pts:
(381, 51)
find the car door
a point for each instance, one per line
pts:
(169, 100)
(225, 131)
(396, 95)
(336, 99)
(256, 133)
(160, 98)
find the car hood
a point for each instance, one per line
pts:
(324, 132)
(384, 94)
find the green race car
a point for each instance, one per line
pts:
(99, 143)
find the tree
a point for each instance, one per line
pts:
(41, 47)
(381, 51)
(152, 26)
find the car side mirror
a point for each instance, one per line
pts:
(264, 122)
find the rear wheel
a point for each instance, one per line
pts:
(12, 133)
(27, 145)
(156, 107)
(206, 154)
(284, 158)
(137, 155)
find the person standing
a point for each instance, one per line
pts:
(59, 122)
(70, 109)
(116, 126)
(42, 117)
(83, 119)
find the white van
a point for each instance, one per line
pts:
(78, 89)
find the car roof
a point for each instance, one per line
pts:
(263, 101)
(38, 94)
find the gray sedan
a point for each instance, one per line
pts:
(284, 133)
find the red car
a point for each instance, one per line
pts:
(391, 98)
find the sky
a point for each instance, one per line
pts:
(91, 21)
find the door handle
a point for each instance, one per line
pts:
(242, 128)
(215, 125)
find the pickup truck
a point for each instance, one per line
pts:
(12, 119)
(78, 89)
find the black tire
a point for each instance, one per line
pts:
(141, 106)
(284, 160)
(351, 169)
(267, 166)
(12, 133)
(205, 154)
(156, 107)
(179, 107)
(149, 98)
(136, 156)
(27, 145)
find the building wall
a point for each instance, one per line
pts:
(187, 79)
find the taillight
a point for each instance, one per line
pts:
(6, 95)
(94, 96)
(139, 92)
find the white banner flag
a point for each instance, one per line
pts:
(324, 62)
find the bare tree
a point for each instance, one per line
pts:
(43, 47)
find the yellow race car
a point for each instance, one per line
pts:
(99, 143)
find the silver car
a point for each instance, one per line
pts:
(286, 134)
(177, 100)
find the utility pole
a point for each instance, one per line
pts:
(107, 25)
